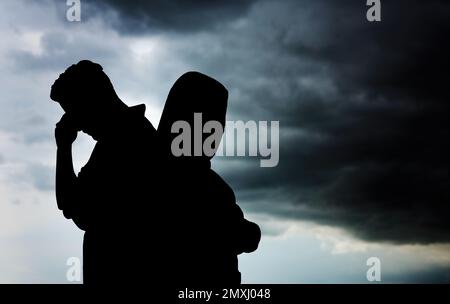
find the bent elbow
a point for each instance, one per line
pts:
(251, 237)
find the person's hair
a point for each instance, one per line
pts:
(83, 82)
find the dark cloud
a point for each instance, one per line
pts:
(366, 109)
(363, 107)
(185, 16)
(434, 275)
(60, 50)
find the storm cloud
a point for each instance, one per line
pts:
(363, 107)
(137, 17)
(366, 125)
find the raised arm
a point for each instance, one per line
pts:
(66, 180)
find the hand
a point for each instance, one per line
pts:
(65, 132)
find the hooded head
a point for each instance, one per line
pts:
(192, 93)
(87, 95)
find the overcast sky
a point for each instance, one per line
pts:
(363, 109)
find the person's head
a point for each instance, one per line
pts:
(87, 95)
(192, 93)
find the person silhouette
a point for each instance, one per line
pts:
(108, 198)
(208, 226)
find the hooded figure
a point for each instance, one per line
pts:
(208, 227)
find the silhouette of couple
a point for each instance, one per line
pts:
(147, 214)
